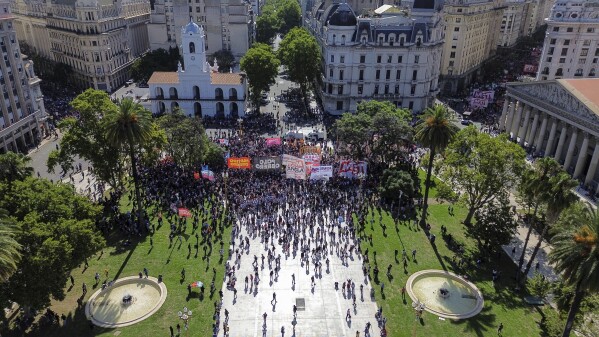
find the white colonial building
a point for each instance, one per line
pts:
(198, 89)
(571, 48)
(391, 54)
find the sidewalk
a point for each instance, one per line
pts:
(541, 257)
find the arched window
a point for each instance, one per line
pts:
(234, 110)
(159, 92)
(218, 93)
(220, 110)
(174, 106)
(197, 109)
(173, 93)
(192, 48)
(196, 92)
(233, 94)
(161, 107)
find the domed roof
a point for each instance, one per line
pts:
(192, 27)
(343, 16)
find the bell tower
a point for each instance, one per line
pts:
(193, 48)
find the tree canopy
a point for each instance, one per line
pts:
(378, 131)
(495, 225)
(56, 230)
(186, 138)
(300, 54)
(261, 66)
(481, 167)
(156, 60)
(13, 166)
(278, 16)
(85, 137)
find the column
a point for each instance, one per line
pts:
(541, 135)
(571, 147)
(504, 113)
(582, 156)
(560, 143)
(593, 167)
(533, 130)
(510, 116)
(516, 121)
(551, 139)
(525, 125)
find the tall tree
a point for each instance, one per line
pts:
(300, 53)
(267, 26)
(434, 132)
(481, 167)
(261, 66)
(56, 229)
(129, 126)
(558, 197)
(84, 137)
(290, 15)
(495, 225)
(10, 249)
(14, 166)
(575, 256)
(186, 139)
(532, 191)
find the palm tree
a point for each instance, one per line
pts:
(14, 166)
(10, 253)
(533, 189)
(129, 126)
(558, 197)
(575, 256)
(435, 132)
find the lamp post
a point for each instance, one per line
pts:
(225, 176)
(185, 316)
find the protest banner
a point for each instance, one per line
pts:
(239, 163)
(321, 172)
(184, 212)
(489, 95)
(309, 150)
(352, 170)
(478, 103)
(295, 168)
(273, 141)
(266, 163)
(223, 141)
(530, 68)
(207, 174)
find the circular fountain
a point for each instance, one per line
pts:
(444, 294)
(125, 302)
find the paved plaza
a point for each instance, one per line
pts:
(325, 308)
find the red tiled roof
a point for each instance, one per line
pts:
(225, 78)
(164, 77)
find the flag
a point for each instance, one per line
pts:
(197, 284)
(184, 212)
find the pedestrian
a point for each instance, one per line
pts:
(178, 329)
(500, 329)
(348, 315)
(403, 293)
(146, 272)
(172, 332)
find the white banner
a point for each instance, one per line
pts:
(321, 172)
(478, 103)
(295, 168)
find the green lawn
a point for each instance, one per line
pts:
(501, 304)
(432, 193)
(159, 259)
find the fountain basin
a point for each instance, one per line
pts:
(128, 301)
(445, 294)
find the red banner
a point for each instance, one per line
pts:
(273, 141)
(239, 163)
(184, 212)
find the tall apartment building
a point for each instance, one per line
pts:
(228, 24)
(513, 22)
(471, 37)
(98, 39)
(22, 113)
(391, 54)
(571, 47)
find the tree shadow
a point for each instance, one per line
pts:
(480, 323)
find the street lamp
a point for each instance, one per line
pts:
(186, 317)
(225, 176)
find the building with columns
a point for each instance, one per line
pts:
(198, 89)
(557, 118)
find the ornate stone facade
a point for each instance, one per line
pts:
(558, 118)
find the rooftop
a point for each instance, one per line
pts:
(164, 77)
(225, 78)
(585, 89)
